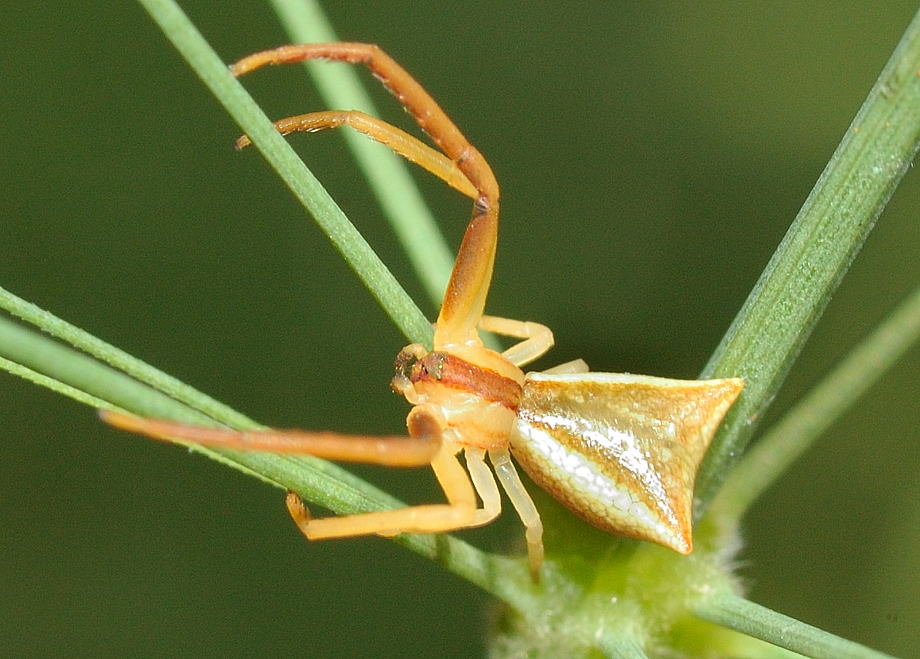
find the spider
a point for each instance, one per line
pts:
(619, 450)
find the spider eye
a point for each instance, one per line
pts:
(406, 362)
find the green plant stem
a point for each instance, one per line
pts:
(83, 378)
(825, 237)
(119, 359)
(354, 249)
(814, 413)
(47, 357)
(386, 173)
(760, 622)
(49, 383)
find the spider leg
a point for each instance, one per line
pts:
(523, 504)
(536, 338)
(398, 140)
(459, 512)
(425, 447)
(469, 283)
(573, 367)
(386, 451)
(484, 483)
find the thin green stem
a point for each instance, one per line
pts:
(51, 364)
(49, 383)
(136, 368)
(38, 353)
(760, 622)
(386, 173)
(244, 110)
(825, 237)
(814, 413)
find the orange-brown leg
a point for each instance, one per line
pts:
(398, 140)
(416, 519)
(459, 512)
(425, 447)
(386, 451)
(466, 293)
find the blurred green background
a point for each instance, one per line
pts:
(651, 157)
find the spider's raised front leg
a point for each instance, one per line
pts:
(469, 283)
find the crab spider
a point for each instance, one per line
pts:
(621, 451)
